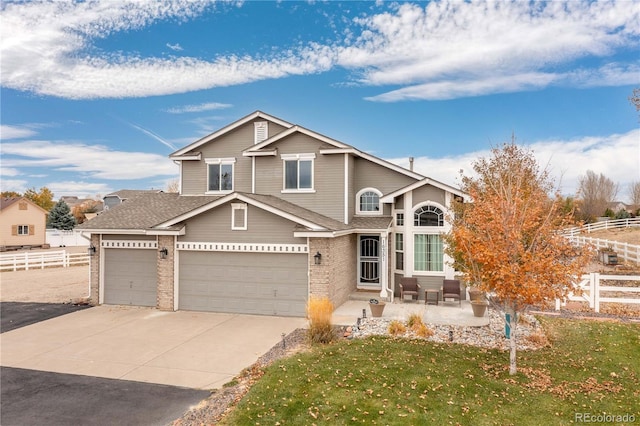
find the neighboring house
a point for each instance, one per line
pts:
(118, 197)
(269, 215)
(23, 223)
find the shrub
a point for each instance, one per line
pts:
(319, 311)
(414, 320)
(396, 328)
(422, 330)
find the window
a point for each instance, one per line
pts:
(400, 251)
(220, 174)
(428, 216)
(298, 172)
(428, 253)
(238, 217)
(23, 229)
(368, 201)
(399, 219)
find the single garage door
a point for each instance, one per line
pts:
(247, 283)
(130, 277)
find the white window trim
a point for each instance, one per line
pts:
(221, 161)
(234, 225)
(304, 157)
(429, 229)
(366, 213)
(426, 230)
(23, 228)
(395, 219)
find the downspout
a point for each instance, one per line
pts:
(89, 239)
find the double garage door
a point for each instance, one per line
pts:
(130, 277)
(247, 283)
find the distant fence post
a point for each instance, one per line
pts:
(596, 293)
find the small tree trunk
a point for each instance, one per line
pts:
(512, 342)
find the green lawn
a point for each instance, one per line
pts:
(592, 367)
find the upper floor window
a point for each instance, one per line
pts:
(428, 216)
(400, 219)
(368, 201)
(220, 174)
(298, 172)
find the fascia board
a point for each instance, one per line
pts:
(272, 153)
(299, 129)
(230, 127)
(197, 211)
(196, 157)
(426, 181)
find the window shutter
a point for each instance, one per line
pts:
(14, 230)
(32, 229)
(261, 131)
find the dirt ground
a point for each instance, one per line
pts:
(51, 285)
(623, 235)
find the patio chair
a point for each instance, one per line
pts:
(409, 286)
(451, 290)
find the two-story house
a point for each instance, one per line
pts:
(270, 214)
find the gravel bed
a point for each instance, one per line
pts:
(489, 336)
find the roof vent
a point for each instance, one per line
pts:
(261, 131)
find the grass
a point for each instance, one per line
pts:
(590, 367)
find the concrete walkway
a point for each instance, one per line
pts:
(189, 349)
(448, 313)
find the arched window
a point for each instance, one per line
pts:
(368, 201)
(428, 216)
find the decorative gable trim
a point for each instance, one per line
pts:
(258, 114)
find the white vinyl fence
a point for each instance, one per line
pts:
(626, 251)
(595, 293)
(41, 260)
(57, 238)
(605, 224)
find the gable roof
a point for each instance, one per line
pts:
(125, 194)
(257, 114)
(388, 198)
(145, 212)
(334, 147)
(6, 202)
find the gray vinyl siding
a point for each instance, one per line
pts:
(194, 173)
(263, 227)
(428, 193)
(328, 177)
(399, 201)
(371, 175)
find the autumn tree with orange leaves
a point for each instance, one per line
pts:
(506, 241)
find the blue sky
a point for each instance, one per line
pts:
(95, 95)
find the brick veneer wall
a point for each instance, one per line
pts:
(165, 273)
(94, 271)
(335, 278)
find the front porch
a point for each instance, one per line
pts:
(447, 313)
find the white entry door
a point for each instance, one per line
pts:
(369, 261)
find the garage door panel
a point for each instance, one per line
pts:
(130, 277)
(252, 283)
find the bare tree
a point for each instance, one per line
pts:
(634, 192)
(173, 185)
(596, 192)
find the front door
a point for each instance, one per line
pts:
(369, 261)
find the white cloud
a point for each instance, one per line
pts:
(91, 161)
(443, 50)
(616, 156)
(80, 189)
(208, 106)
(15, 132)
(9, 171)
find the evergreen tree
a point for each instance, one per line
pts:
(60, 217)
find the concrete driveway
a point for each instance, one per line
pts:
(189, 349)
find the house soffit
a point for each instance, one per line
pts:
(388, 198)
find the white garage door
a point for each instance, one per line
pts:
(130, 277)
(247, 283)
